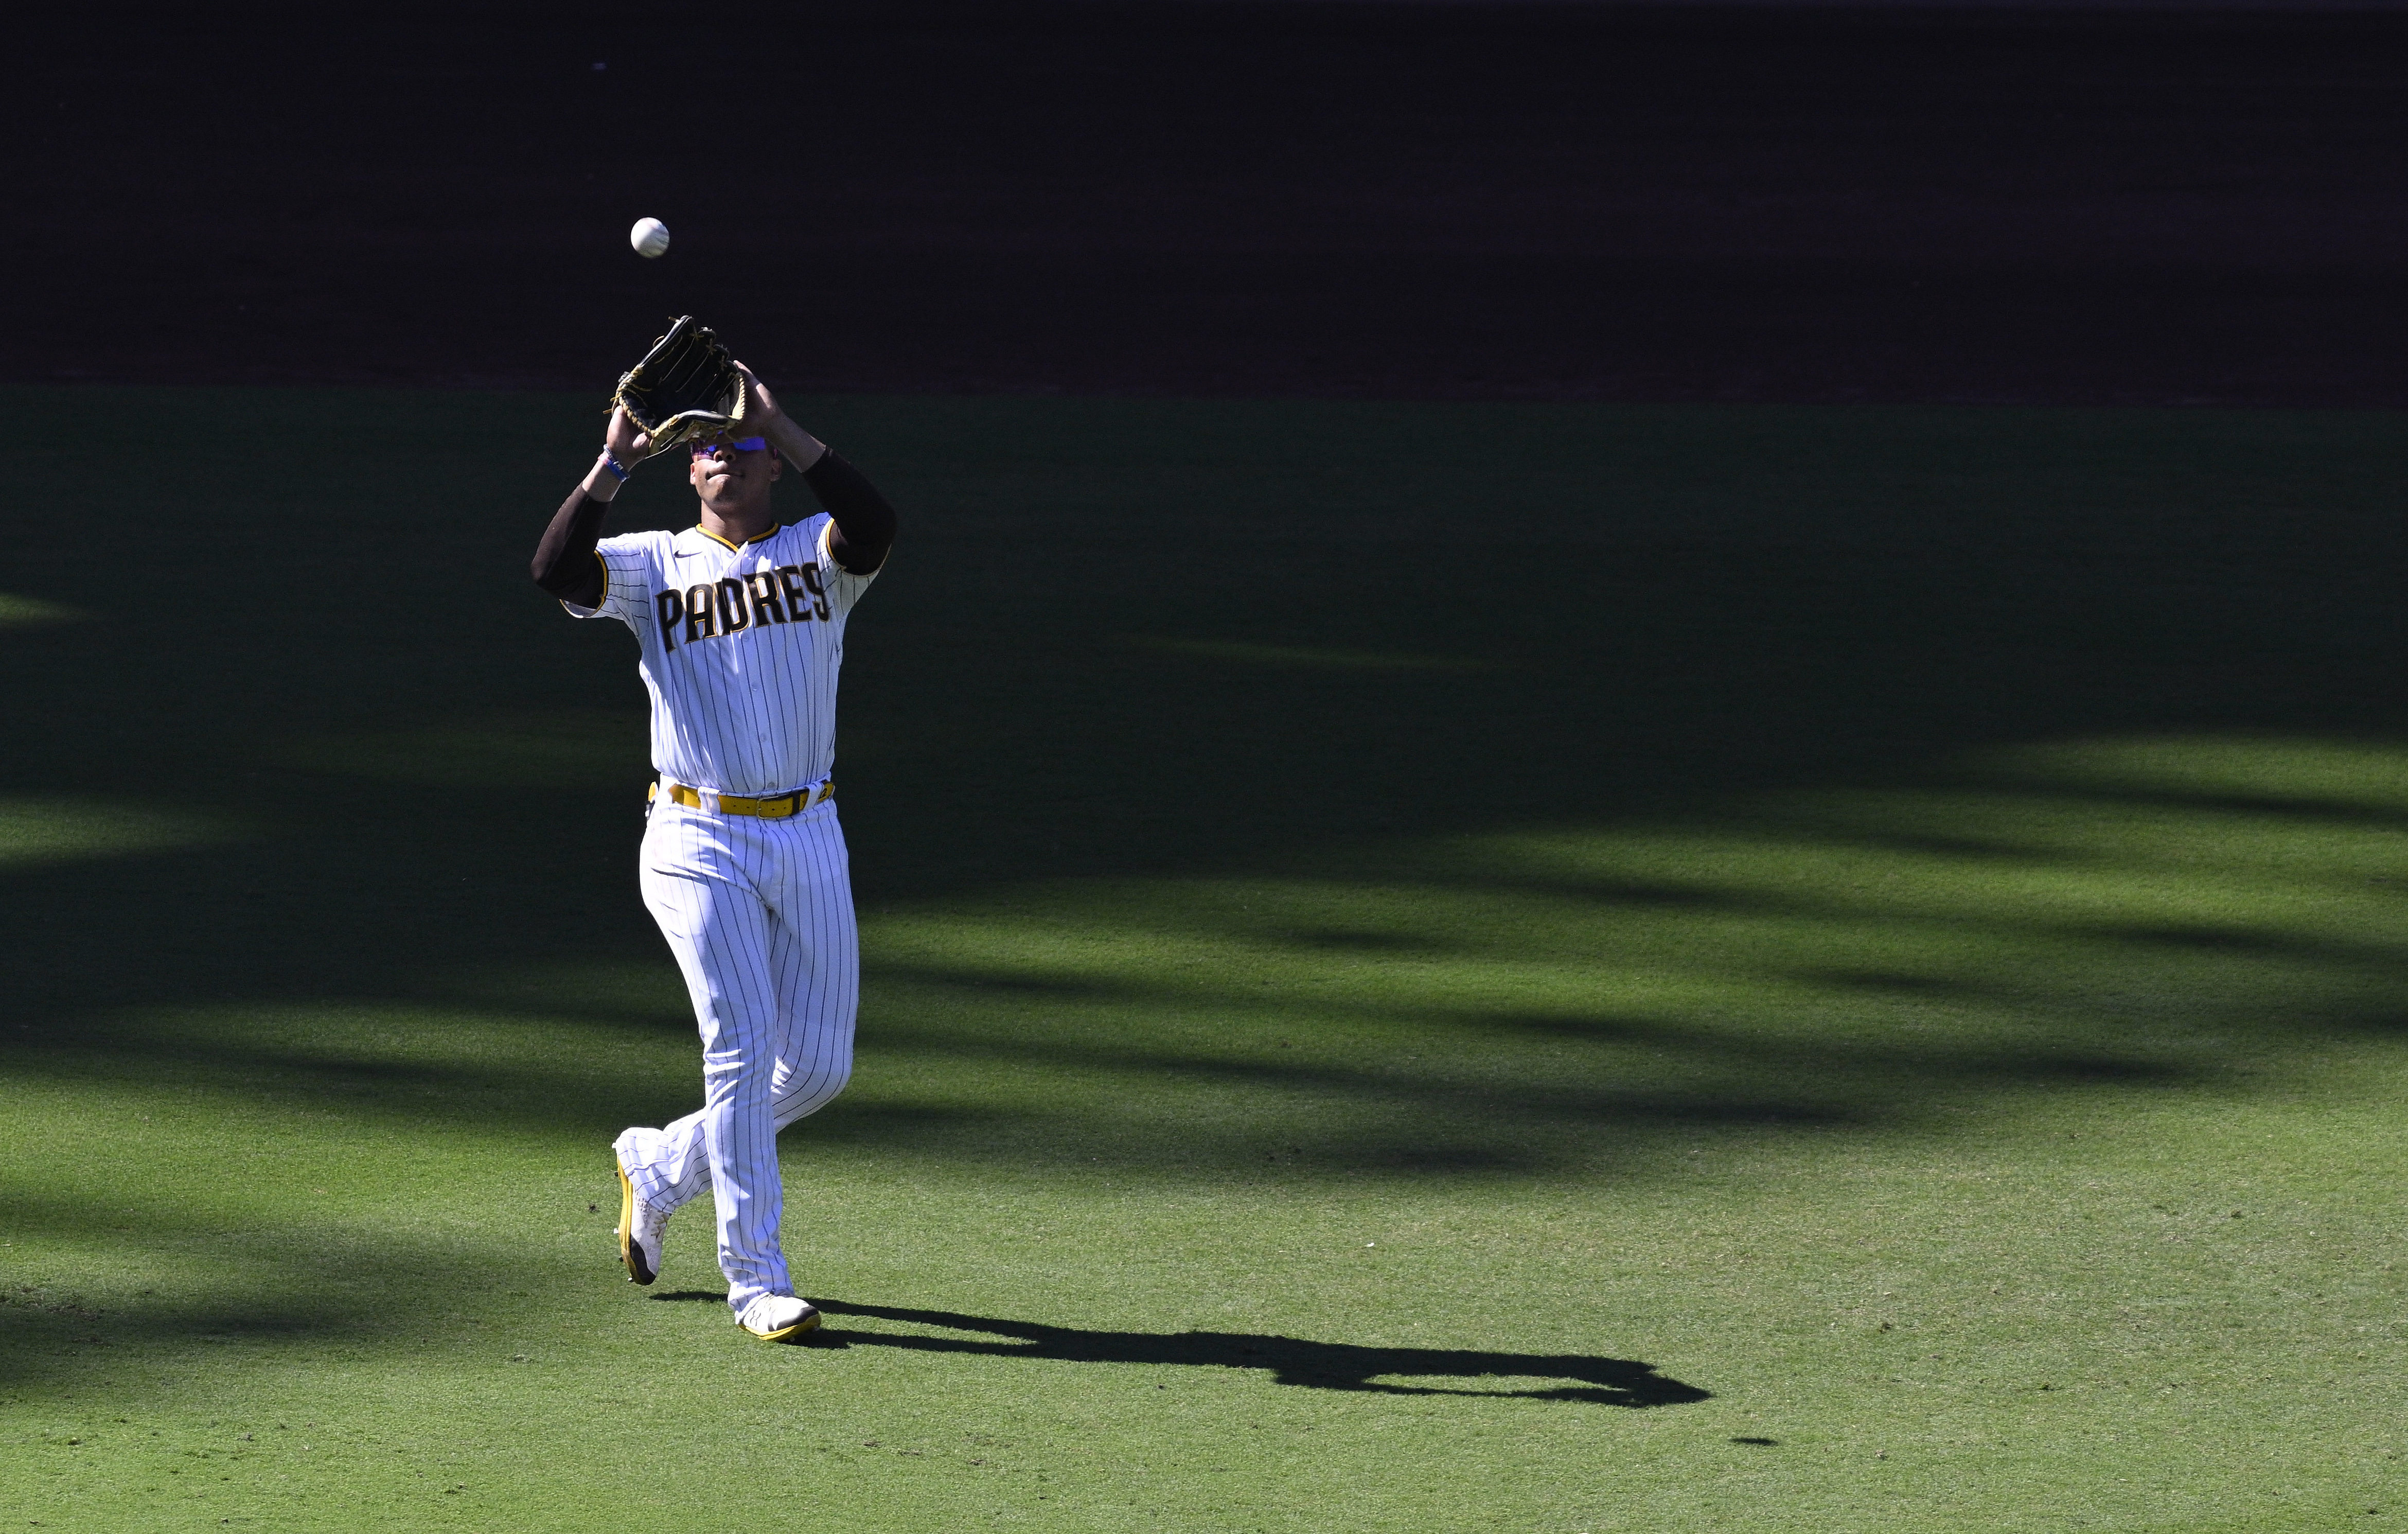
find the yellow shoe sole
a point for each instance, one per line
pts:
(629, 1253)
(782, 1334)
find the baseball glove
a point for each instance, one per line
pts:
(685, 389)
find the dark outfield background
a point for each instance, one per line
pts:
(2151, 205)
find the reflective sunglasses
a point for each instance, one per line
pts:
(742, 444)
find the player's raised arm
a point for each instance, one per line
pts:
(564, 565)
(865, 522)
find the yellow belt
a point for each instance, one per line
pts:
(732, 804)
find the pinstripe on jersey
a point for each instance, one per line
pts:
(740, 650)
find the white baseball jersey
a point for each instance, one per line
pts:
(740, 650)
(741, 646)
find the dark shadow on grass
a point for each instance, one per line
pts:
(283, 1295)
(1336, 940)
(1660, 672)
(1345, 1111)
(1322, 1366)
(2298, 810)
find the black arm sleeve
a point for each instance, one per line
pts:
(865, 523)
(565, 563)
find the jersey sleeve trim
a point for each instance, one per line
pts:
(594, 611)
(839, 579)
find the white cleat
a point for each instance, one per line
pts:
(776, 1318)
(641, 1228)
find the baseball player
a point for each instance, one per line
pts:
(739, 622)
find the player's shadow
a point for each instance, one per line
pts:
(1324, 1366)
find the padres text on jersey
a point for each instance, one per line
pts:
(739, 647)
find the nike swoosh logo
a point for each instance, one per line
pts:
(689, 554)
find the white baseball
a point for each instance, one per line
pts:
(650, 237)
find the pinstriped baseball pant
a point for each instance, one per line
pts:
(759, 914)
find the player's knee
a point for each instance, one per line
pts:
(807, 1091)
(737, 1083)
(816, 1086)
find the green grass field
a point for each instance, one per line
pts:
(1429, 967)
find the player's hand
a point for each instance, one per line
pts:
(625, 439)
(764, 404)
(769, 418)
